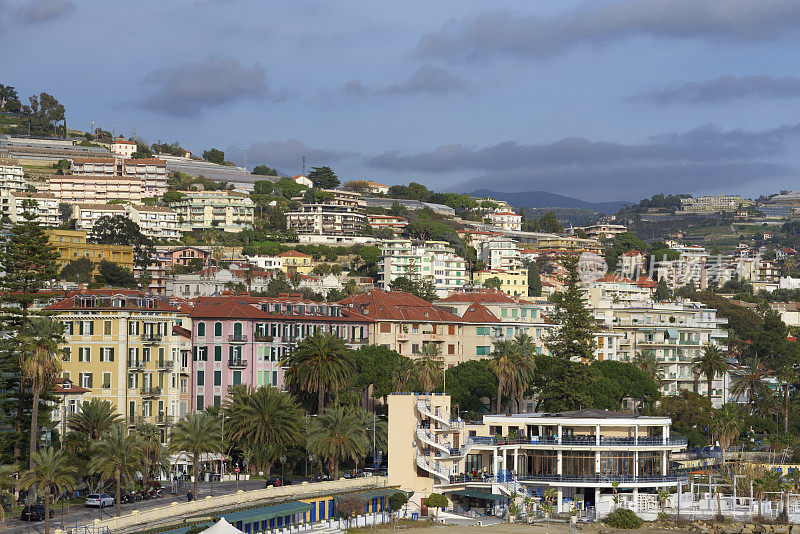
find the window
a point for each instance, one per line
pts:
(237, 378)
(616, 463)
(275, 378)
(451, 329)
(202, 354)
(217, 329)
(201, 329)
(482, 350)
(133, 328)
(217, 354)
(107, 354)
(451, 349)
(106, 380)
(86, 328)
(65, 354)
(578, 463)
(386, 328)
(217, 378)
(85, 380)
(146, 354)
(201, 378)
(84, 354)
(473, 463)
(67, 328)
(106, 328)
(217, 400)
(415, 348)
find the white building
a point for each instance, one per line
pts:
(303, 180)
(506, 220)
(123, 148)
(44, 205)
(500, 254)
(86, 215)
(227, 210)
(155, 222)
(336, 213)
(432, 260)
(265, 262)
(12, 177)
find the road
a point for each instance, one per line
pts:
(81, 515)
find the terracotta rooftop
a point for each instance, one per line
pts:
(110, 207)
(478, 313)
(484, 295)
(292, 254)
(233, 307)
(93, 160)
(72, 303)
(383, 305)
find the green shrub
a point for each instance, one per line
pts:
(623, 518)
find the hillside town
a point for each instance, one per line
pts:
(430, 268)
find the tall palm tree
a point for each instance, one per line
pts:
(51, 470)
(196, 434)
(39, 342)
(647, 361)
(750, 379)
(786, 374)
(337, 435)
(94, 418)
(265, 421)
(117, 456)
(429, 367)
(153, 451)
(711, 363)
(377, 430)
(525, 364)
(321, 362)
(502, 365)
(727, 424)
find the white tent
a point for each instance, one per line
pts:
(222, 527)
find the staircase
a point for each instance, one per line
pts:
(425, 437)
(434, 413)
(433, 468)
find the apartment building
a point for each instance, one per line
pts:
(87, 215)
(294, 262)
(120, 346)
(405, 324)
(615, 288)
(395, 224)
(676, 333)
(605, 230)
(714, 204)
(377, 188)
(335, 213)
(155, 222)
(44, 206)
(96, 167)
(12, 177)
(589, 457)
(242, 340)
(514, 283)
(507, 220)
(151, 171)
(95, 189)
(72, 245)
(229, 210)
(500, 254)
(185, 255)
(631, 264)
(433, 260)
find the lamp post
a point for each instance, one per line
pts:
(283, 465)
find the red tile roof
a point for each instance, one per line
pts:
(478, 313)
(71, 303)
(123, 142)
(232, 307)
(383, 305)
(632, 253)
(484, 295)
(145, 161)
(292, 254)
(59, 390)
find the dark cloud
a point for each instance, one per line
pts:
(698, 157)
(39, 11)
(427, 79)
(287, 156)
(726, 88)
(188, 89)
(510, 33)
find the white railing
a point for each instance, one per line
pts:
(433, 412)
(433, 468)
(425, 437)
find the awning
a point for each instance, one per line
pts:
(477, 494)
(372, 494)
(267, 512)
(673, 333)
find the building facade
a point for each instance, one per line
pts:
(12, 177)
(432, 260)
(341, 213)
(95, 189)
(16, 204)
(155, 222)
(229, 210)
(72, 245)
(507, 220)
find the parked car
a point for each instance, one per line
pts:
(100, 500)
(278, 482)
(319, 477)
(34, 513)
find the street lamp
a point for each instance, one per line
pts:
(283, 465)
(310, 459)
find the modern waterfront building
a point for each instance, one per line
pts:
(584, 456)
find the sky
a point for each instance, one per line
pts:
(600, 100)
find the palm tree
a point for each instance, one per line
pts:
(51, 470)
(727, 424)
(94, 418)
(786, 374)
(525, 366)
(337, 435)
(377, 429)
(117, 456)
(429, 367)
(321, 362)
(265, 421)
(647, 361)
(711, 363)
(153, 451)
(39, 342)
(502, 365)
(750, 379)
(196, 434)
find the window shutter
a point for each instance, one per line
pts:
(111, 354)
(194, 353)
(91, 328)
(80, 328)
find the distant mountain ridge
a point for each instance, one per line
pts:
(544, 199)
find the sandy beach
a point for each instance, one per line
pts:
(518, 528)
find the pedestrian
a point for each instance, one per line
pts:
(189, 496)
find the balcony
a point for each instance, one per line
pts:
(263, 337)
(237, 338)
(165, 365)
(622, 480)
(403, 336)
(152, 338)
(587, 441)
(151, 391)
(237, 363)
(136, 365)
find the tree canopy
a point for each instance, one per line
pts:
(323, 178)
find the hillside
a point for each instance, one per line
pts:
(544, 199)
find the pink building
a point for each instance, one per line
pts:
(183, 255)
(242, 340)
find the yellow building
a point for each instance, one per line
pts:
(120, 346)
(72, 245)
(514, 283)
(293, 262)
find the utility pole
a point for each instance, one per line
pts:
(304, 166)
(245, 158)
(92, 132)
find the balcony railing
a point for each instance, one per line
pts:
(237, 363)
(589, 479)
(589, 441)
(166, 365)
(152, 338)
(136, 365)
(151, 391)
(263, 337)
(237, 338)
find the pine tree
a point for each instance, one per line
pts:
(29, 263)
(662, 291)
(573, 338)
